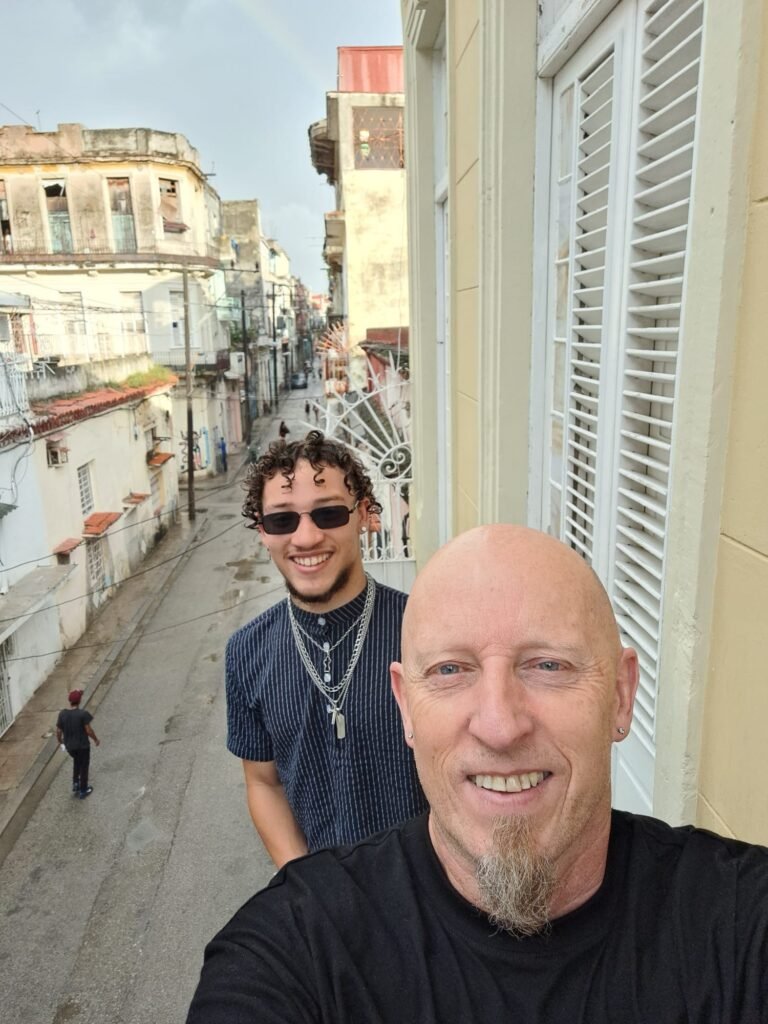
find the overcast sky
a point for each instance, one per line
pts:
(242, 79)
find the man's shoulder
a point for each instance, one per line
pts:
(257, 629)
(376, 864)
(391, 598)
(696, 848)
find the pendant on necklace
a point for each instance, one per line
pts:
(326, 647)
(327, 677)
(339, 722)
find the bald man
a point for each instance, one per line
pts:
(521, 896)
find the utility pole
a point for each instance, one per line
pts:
(190, 418)
(245, 368)
(274, 346)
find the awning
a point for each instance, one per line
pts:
(159, 459)
(98, 523)
(68, 545)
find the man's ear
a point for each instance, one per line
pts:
(627, 680)
(364, 513)
(399, 691)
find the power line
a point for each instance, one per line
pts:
(143, 634)
(128, 526)
(133, 576)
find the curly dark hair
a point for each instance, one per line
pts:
(319, 451)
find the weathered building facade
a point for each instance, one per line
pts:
(360, 148)
(99, 230)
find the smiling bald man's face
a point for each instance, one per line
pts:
(514, 685)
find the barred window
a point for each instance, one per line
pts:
(378, 138)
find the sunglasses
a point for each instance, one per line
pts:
(327, 517)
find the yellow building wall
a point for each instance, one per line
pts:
(733, 795)
(464, 78)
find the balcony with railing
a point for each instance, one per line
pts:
(13, 385)
(125, 249)
(202, 361)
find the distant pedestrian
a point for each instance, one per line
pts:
(317, 414)
(74, 732)
(223, 453)
(283, 430)
(306, 409)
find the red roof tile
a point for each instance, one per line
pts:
(68, 545)
(135, 498)
(160, 459)
(98, 523)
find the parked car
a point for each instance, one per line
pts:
(298, 380)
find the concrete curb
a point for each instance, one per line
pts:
(38, 778)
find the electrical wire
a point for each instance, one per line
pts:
(143, 634)
(132, 576)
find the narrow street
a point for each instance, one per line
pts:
(107, 904)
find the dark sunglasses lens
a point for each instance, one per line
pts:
(329, 517)
(280, 522)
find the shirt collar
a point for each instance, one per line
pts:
(336, 619)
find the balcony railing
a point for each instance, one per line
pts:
(122, 251)
(175, 358)
(13, 386)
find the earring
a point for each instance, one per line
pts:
(621, 732)
(409, 735)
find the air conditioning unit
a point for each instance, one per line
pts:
(237, 362)
(57, 455)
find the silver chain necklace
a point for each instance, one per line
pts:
(335, 695)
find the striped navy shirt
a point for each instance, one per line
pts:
(340, 791)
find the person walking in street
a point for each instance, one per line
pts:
(306, 408)
(309, 707)
(73, 730)
(283, 430)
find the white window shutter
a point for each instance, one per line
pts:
(669, 40)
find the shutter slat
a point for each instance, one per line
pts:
(644, 482)
(638, 498)
(667, 192)
(653, 442)
(668, 286)
(663, 242)
(644, 521)
(673, 87)
(658, 311)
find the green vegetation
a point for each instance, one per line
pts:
(154, 375)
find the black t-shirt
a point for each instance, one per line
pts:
(72, 722)
(678, 932)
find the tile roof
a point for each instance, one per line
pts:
(160, 458)
(68, 545)
(135, 498)
(53, 414)
(98, 523)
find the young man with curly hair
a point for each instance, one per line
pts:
(309, 706)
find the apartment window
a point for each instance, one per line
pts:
(378, 138)
(94, 550)
(58, 215)
(73, 313)
(6, 239)
(132, 318)
(170, 209)
(155, 489)
(123, 227)
(177, 318)
(85, 488)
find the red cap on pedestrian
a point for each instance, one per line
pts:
(75, 696)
